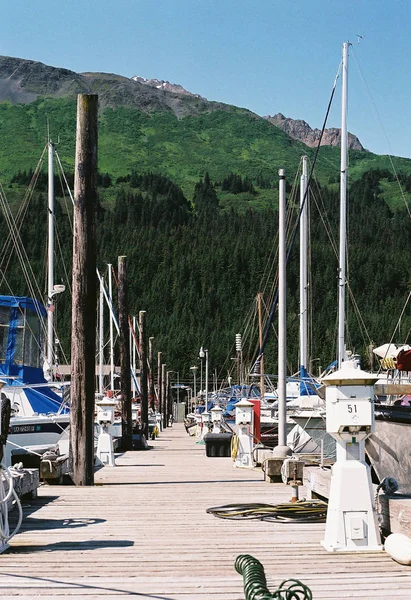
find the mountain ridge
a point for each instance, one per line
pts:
(160, 84)
(23, 81)
(300, 130)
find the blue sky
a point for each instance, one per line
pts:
(265, 55)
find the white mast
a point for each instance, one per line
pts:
(110, 292)
(304, 264)
(50, 274)
(133, 355)
(282, 358)
(101, 338)
(343, 208)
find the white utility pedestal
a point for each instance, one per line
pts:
(351, 518)
(206, 420)
(244, 419)
(159, 420)
(105, 418)
(199, 424)
(216, 418)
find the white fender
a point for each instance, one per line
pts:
(398, 547)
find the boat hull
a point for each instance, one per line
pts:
(387, 446)
(39, 432)
(315, 425)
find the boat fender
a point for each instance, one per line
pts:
(398, 546)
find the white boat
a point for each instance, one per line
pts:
(39, 415)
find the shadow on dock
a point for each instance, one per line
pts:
(67, 546)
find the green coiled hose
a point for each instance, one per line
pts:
(255, 583)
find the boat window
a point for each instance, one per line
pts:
(32, 342)
(4, 331)
(27, 340)
(18, 352)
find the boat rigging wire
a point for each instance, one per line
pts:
(23, 259)
(294, 233)
(21, 213)
(378, 117)
(396, 327)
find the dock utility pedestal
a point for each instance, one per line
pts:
(351, 518)
(244, 420)
(105, 418)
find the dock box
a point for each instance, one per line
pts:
(218, 444)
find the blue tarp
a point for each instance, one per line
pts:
(25, 315)
(23, 302)
(18, 310)
(307, 384)
(44, 401)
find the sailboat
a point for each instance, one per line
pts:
(39, 415)
(311, 417)
(387, 447)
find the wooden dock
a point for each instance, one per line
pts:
(143, 531)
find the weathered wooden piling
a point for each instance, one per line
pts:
(151, 387)
(164, 394)
(159, 382)
(125, 370)
(143, 373)
(84, 315)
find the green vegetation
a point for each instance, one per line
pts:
(219, 142)
(196, 269)
(192, 203)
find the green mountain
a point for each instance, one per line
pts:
(144, 128)
(189, 194)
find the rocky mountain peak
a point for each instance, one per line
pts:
(160, 84)
(301, 131)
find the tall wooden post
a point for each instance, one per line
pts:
(159, 383)
(84, 295)
(164, 394)
(143, 373)
(167, 399)
(125, 371)
(151, 390)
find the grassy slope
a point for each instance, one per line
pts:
(218, 142)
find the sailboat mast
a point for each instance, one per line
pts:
(110, 292)
(282, 341)
(260, 340)
(50, 274)
(304, 265)
(101, 339)
(343, 209)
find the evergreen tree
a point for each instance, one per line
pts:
(205, 197)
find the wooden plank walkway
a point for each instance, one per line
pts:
(143, 532)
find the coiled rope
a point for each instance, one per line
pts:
(255, 583)
(301, 511)
(6, 477)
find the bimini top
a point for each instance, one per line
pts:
(24, 302)
(21, 327)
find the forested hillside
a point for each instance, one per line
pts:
(196, 267)
(188, 191)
